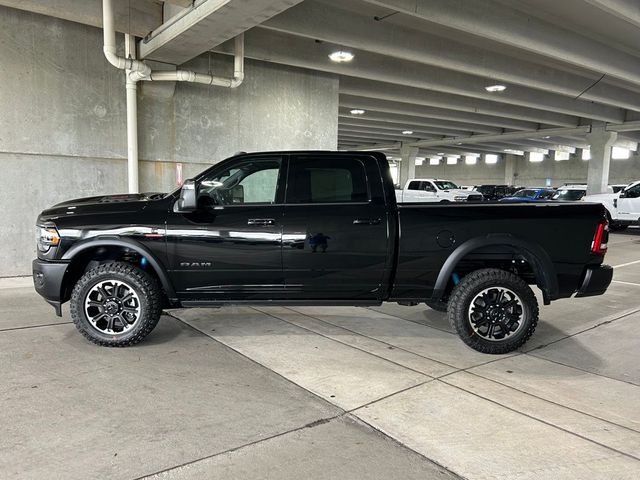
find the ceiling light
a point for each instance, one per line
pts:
(559, 156)
(620, 153)
(440, 153)
(495, 88)
(407, 132)
(536, 157)
(546, 137)
(357, 111)
(341, 56)
(490, 159)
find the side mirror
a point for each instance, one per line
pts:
(188, 201)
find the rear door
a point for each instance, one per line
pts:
(335, 240)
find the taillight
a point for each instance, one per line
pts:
(600, 239)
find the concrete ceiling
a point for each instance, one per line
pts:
(422, 65)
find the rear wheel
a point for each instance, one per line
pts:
(614, 226)
(116, 304)
(493, 311)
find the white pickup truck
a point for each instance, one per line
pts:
(623, 208)
(435, 190)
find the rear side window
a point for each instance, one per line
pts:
(327, 180)
(415, 185)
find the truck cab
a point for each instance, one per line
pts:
(623, 208)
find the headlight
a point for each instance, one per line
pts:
(460, 198)
(46, 238)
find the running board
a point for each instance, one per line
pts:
(284, 303)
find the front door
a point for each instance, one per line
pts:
(629, 203)
(230, 248)
(335, 240)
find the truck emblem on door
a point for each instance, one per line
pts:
(195, 264)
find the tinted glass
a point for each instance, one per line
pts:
(632, 192)
(525, 193)
(414, 186)
(251, 181)
(327, 180)
(548, 194)
(569, 195)
(446, 185)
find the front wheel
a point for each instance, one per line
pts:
(116, 304)
(493, 311)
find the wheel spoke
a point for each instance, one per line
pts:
(118, 307)
(496, 313)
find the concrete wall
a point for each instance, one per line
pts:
(530, 174)
(63, 131)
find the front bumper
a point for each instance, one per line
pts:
(596, 281)
(48, 279)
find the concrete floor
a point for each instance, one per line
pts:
(304, 393)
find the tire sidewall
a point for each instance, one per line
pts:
(84, 286)
(462, 323)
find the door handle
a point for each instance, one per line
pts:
(261, 221)
(367, 221)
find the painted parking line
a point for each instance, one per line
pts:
(626, 264)
(626, 283)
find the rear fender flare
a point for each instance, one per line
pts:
(537, 257)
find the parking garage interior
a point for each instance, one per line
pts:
(527, 93)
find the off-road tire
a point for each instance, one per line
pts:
(437, 305)
(147, 289)
(474, 283)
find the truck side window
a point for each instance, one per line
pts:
(633, 192)
(415, 185)
(327, 180)
(428, 187)
(252, 181)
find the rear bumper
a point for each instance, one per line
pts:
(47, 280)
(596, 281)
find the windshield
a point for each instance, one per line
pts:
(525, 193)
(445, 185)
(569, 195)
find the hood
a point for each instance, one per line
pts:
(128, 202)
(118, 198)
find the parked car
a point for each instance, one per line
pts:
(435, 190)
(573, 193)
(530, 195)
(496, 192)
(618, 187)
(313, 228)
(622, 208)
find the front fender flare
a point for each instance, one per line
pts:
(78, 248)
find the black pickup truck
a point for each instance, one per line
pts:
(314, 228)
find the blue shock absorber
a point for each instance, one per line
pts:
(144, 262)
(456, 278)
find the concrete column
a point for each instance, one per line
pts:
(510, 169)
(407, 167)
(600, 141)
